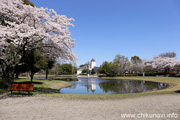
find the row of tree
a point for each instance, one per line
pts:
(64, 69)
(33, 62)
(164, 63)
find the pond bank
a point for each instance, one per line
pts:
(174, 88)
(47, 87)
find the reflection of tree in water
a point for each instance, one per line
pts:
(130, 86)
(88, 86)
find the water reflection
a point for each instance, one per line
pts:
(101, 86)
(130, 86)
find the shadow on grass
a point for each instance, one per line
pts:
(177, 91)
(21, 93)
(2, 90)
(41, 90)
(27, 82)
(45, 90)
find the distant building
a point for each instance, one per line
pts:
(92, 66)
(79, 71)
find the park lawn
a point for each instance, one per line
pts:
(51, 88)
(41, 86)
(53, 76)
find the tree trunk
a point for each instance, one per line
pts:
(143, 74)
(47, 72)
(32, 75)
(7, 77)
(167, 72)
(17, 75)
(27, 75)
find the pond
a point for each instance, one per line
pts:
(103, 86)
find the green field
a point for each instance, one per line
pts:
(41, 86)
(51, 88)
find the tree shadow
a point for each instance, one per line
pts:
(27, 82)
(20, 93)
(45, 90)
(178, 91)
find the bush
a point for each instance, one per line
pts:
(173, 74)
(150, 74)
(161, 73)
(128, 75)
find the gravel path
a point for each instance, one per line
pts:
(53, 108)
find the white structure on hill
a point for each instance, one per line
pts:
(92, 65)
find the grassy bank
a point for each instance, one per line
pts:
(41, 86)
(51, 88)
(54, 76)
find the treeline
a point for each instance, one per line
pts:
(164, 64)
(33, 62)
(64, 69)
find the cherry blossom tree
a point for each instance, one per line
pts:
(120, 64)
(163, 64)
(135, 66)
(24, 27)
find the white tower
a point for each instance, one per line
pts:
(93, 64)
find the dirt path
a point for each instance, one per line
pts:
(49, 108)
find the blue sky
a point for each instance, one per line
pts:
(105, 28)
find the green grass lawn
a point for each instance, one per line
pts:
(51, 88)
(41, 86)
